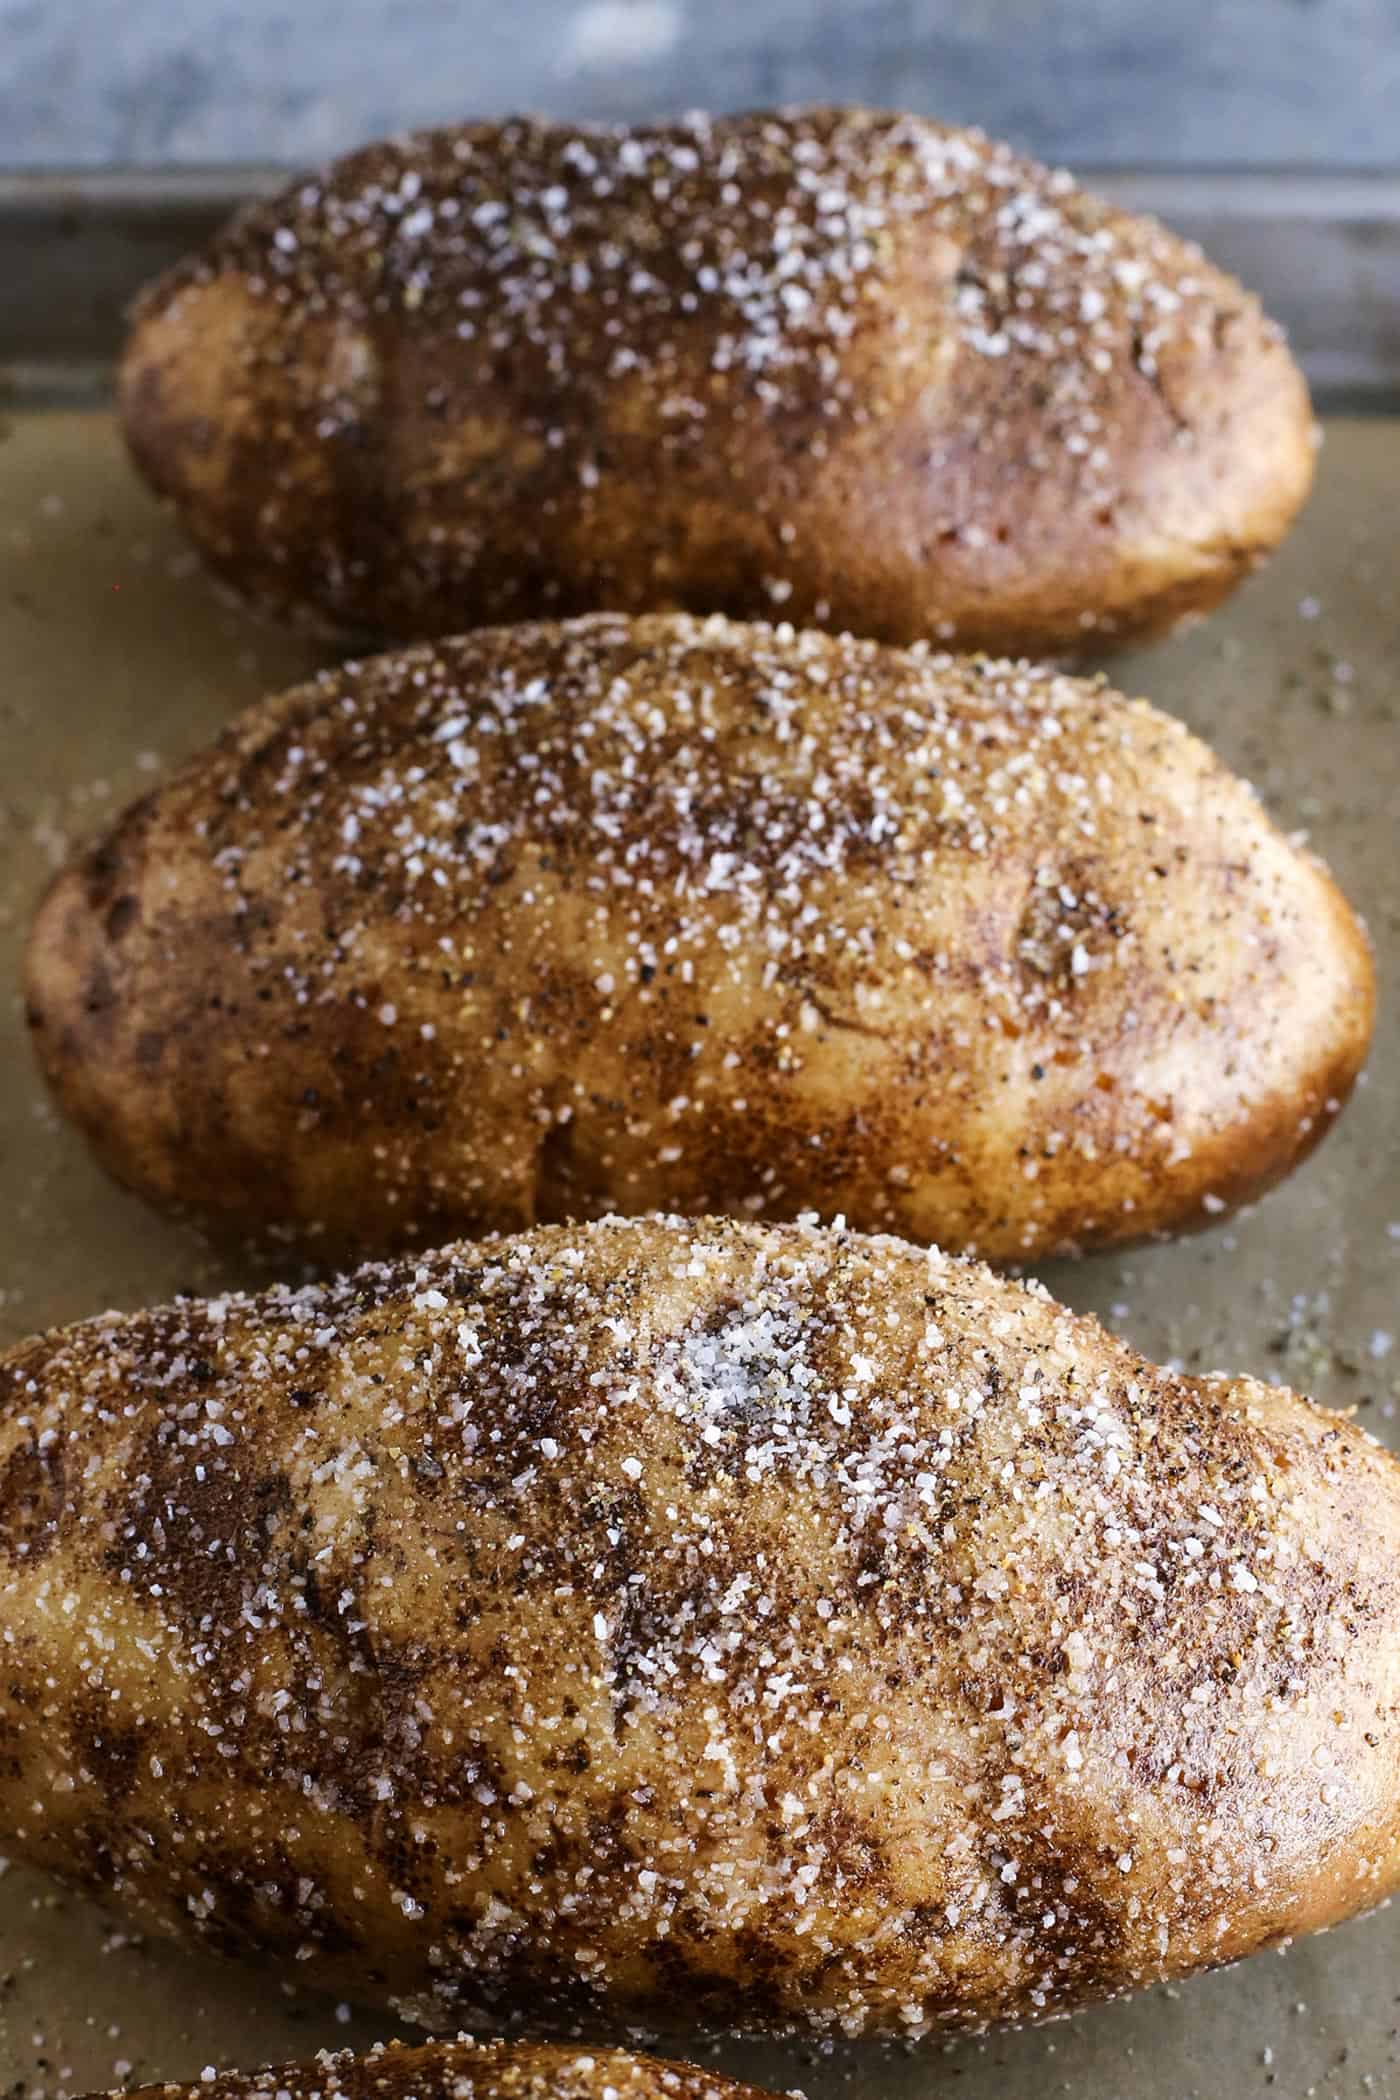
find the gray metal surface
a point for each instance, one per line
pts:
(1088, 81)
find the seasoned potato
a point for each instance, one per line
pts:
(630, 915)
(720, 1624)
(465, 2070)
(879, 374)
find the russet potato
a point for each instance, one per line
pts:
(692, 1625)
(847, 368)
(464, 2070)
(664, 914)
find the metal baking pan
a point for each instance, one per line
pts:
(118, 659)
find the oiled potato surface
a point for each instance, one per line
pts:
(623, 915)
(466, 2070)
(854, 369)
(693, 1624)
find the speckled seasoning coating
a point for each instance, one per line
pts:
(693, 1624)
(858, 369)
(465, 2070)
(628, 915)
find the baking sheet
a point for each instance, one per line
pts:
(117, 660)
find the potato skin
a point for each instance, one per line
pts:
(466, 2070)
(701, 1625)
(625, 915)
(867, 371)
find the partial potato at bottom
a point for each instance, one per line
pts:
(858, 368)
(663, 914)
(693, 1625)
(465, 2070)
